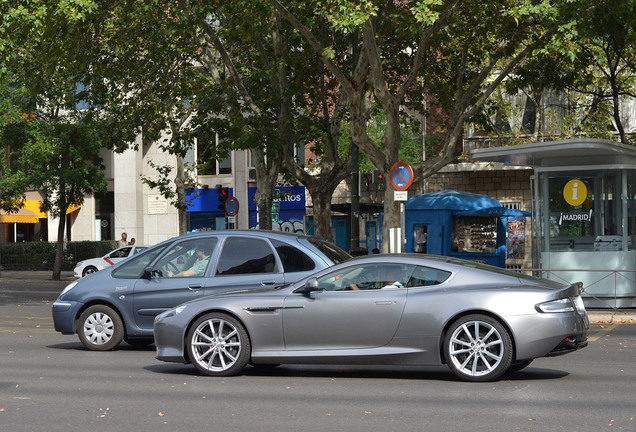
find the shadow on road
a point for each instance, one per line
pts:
(440, 373)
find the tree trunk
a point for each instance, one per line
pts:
(322, 215)
(266, 179)
(391, 218)
(264, 198)
(179, 182)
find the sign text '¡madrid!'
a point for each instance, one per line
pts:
(575, 217)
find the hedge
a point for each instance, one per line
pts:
(41, 255)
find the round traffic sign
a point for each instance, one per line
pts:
(401, 176)
(231, 206)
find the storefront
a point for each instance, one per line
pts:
(288, 209)
(583, 214)
(205, 211)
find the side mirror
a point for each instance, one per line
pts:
(310, 286)
(147, 274)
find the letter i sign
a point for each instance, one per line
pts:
(575, 192)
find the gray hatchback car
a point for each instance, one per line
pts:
(121, 302)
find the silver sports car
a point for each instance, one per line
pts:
(479, 320)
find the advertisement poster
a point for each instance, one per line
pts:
(516, 241)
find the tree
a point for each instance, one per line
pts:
(605, 68)
(457, 51)
(45, 78)
(285, 99)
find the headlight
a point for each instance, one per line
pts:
(68, 288)
(561, 305)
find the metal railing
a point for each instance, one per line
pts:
(596, 278)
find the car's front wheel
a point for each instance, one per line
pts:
(100, 328)
(218, 345)
(89, 270)
(478, 348)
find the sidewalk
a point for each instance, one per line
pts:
(35, 276)
(621, 316)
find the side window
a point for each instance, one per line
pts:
(186, 259)
(120, 253)
(293, 259)
(367, 277)
(134, 267)
(243, 255)
(426, 276)
(138, 249)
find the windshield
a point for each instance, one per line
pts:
(134, 267)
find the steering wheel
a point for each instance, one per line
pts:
(172, 267)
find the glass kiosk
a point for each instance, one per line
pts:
(583, 214)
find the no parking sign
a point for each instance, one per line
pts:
(401, 176)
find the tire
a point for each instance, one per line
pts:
(100, 328)
(89, 270)
(478, 348)
(516, 366)
(218, 345)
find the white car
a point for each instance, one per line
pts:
(86, 267)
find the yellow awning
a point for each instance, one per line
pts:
(73, 208)
(30, 213)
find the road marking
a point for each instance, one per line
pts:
(602, 332)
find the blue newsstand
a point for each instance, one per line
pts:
(458, 224)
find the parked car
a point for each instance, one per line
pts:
(122, 301)
(92, 265)
(480, 321)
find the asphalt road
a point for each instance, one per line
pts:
(48, 382)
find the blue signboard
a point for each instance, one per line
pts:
(289, 208)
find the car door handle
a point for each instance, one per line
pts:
(265, 283)
(384, 303)
(195, 286)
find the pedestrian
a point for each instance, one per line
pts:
(123, 241)
(132, 241)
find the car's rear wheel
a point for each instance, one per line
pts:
(478, 348)
(89, 270)
(100, 328)
(218, 345)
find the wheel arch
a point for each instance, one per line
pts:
(462, 314)
(90, 266)
(100, 302)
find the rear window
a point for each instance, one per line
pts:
(426, 276)
(293, 259)
(241, 255)
(333, 252)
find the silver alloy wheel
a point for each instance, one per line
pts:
(476, 348)
(99, 328)
(216, 345)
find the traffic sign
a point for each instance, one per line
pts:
(231, 206)
(401, 176)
